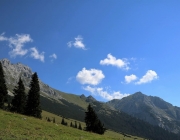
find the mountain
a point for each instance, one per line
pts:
(74, 106)
(88, 99)
(150, 109)
(14, 71)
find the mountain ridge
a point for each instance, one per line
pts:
(74, 106)
(151, 109)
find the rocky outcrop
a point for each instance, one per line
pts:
(13, 72)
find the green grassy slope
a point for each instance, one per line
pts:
(16, 126)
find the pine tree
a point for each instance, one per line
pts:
(80, 126)
(71, 125)
(33, 107)
(63, 122)
(19, 101)
(48, 119)
(54, 121)
(93, 124)
(100, 127)
(3, 88)
(75, 126)
(90, 119)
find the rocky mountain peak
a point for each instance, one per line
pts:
(5, 61)
(13, 72)
(83, 96)
(90, 99)
(151, 109)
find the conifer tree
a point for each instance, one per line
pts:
(33, 107)
(90, 119)
(3, 88)
(54, 121)
(92, 122)
(48, 119)
(80, 126)
(75, 126)
(71, 125)
(19, 101)
(63, 122)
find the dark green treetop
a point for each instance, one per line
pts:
(3, 88)
(90, 118)
(79, 127)
(19, 101)
(93, 124)
(75, 126)
(33, 107)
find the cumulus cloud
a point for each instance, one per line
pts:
(105, 94)
(36, 55)
(53, 56)
(111, 60)
(17, 43)
(92, 76)
(148, 77)
(130, 78)
(78, 43)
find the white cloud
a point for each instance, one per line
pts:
(78, 43)
(17, 43)
(3, 38)
(36, 55)
(92, 76)
(148, 77)
(111, 60)
(105, 94)
(130, 78)
(54, 56)
(69, 80)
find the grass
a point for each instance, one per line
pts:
(16, 126)
(75, 99)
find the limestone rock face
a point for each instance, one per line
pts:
(13, 72)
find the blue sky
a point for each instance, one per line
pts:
(107, 48)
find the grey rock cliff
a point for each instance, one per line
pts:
(14, 71)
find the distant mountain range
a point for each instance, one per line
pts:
(143, 110)
(150, 109)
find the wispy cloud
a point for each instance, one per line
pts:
(130, 78)
(69, 80)
(17, 43)
(104, 93)
(3, 38)
(148, 77)
(78, 43)
(92, 76)
(36, 55)
(53, 56)
(111, 60)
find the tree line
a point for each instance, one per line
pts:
(21, 103)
